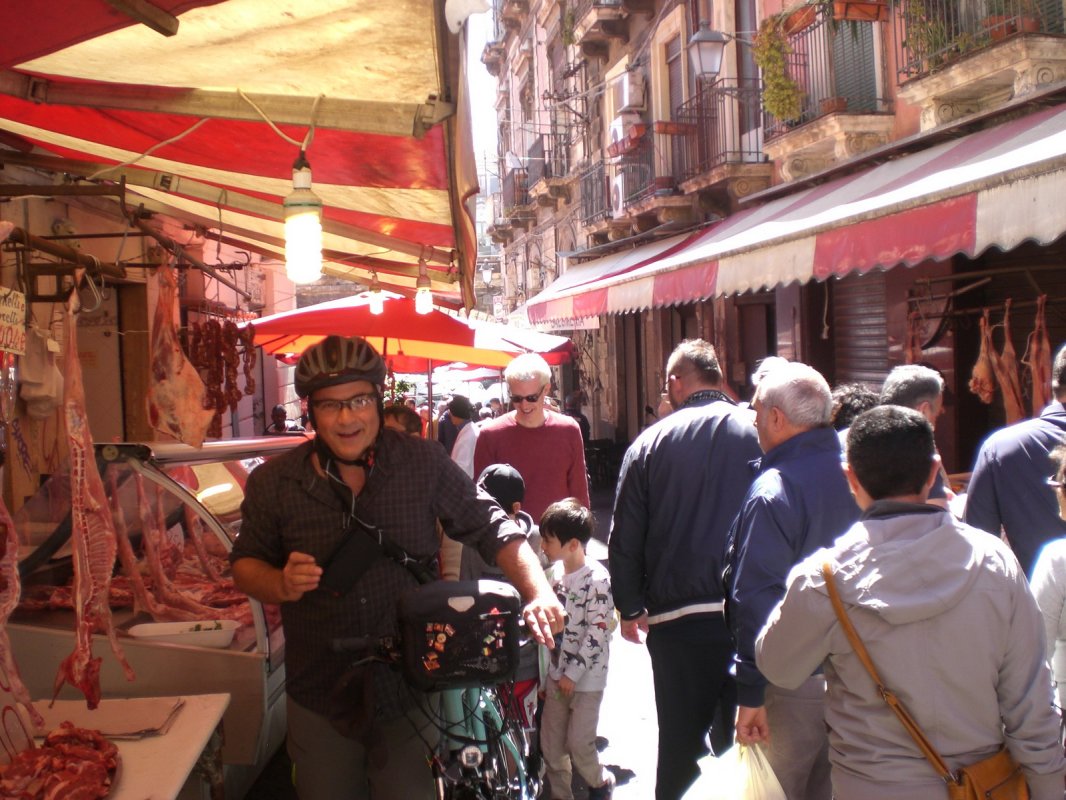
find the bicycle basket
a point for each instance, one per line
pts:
(459, 634)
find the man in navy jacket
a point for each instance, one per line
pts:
(681, 485)
(799, 502)
(1008, 486)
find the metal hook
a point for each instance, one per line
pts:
(93, 288)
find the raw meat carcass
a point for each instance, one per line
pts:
(1006, 368)
(92, 537)
(176, 393)
(9, 598)
(1039, 362)
(983, 378)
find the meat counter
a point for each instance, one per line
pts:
(192, 497)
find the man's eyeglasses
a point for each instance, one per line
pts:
(355, 403)
(529, 398)
(1053, 483)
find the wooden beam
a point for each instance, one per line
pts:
(147, 14)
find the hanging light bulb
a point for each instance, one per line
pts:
(423, 297)
(303, 226)
(377, 298)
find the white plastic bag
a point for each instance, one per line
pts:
(740, 773)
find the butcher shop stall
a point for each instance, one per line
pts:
(176, 511)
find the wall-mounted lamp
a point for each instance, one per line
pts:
(303, 226)
(705, 50)
(423, 297)
(377, 299)
(486, 275)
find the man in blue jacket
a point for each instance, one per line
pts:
(681, 485)
(1008, 487)
(799, 502)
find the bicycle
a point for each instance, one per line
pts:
(461, 639)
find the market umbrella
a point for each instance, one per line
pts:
(409, 341)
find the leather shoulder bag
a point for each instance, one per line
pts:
(997, 777)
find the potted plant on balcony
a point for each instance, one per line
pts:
(1004, 17)
(781, 94)
(926, 33)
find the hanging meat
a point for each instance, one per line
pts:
(1006, 369)
(175, 393)
(1039, 362)
(92, 537)
(912, 350)
(983, 378)
(231, 358)
(247, 335)
(9, 598)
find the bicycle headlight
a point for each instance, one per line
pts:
(471, 757)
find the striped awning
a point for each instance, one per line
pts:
(995, 188)
(192, 121)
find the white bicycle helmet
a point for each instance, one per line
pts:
(338, 359)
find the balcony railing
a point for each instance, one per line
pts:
(515, 192)
(547, 159)
(834, 65)
(933, 33)
(721, 124)
(595, 198)
(582, 7)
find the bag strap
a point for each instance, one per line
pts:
(886, 694)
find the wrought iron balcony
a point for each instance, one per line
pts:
(931, 34)
(834, 65)
(595, 199)
(720, 124)
(547, 159)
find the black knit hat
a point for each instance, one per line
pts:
(504, 484)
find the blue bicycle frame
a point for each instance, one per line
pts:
(471, 718)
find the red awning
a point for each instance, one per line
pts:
(994, 188)
(382, 84)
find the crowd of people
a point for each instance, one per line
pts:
(730, 523)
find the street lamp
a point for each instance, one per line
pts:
(486, 275)
(705, 50)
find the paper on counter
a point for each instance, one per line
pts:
(131, 718)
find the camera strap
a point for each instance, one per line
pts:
(421, 570)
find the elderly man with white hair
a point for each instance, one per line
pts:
(799, 502)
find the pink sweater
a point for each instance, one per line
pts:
(550, 459)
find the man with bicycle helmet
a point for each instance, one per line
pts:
(335, 531)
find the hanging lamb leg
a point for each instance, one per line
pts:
(93, 538)
(1039, 362)
(1006, 367)
(9, 598)
(176, 393)
(983, 377)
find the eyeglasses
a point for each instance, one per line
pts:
(1054, 484)
(356, 402)
(529, 398)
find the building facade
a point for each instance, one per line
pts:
(853, 187)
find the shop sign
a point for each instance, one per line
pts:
(13, 322)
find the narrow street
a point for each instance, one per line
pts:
(627, 717)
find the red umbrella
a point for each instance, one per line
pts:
(409, 341)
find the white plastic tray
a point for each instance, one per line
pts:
(203, 633)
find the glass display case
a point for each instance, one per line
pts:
(179, 509)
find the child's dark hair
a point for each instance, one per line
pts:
(567, 520)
